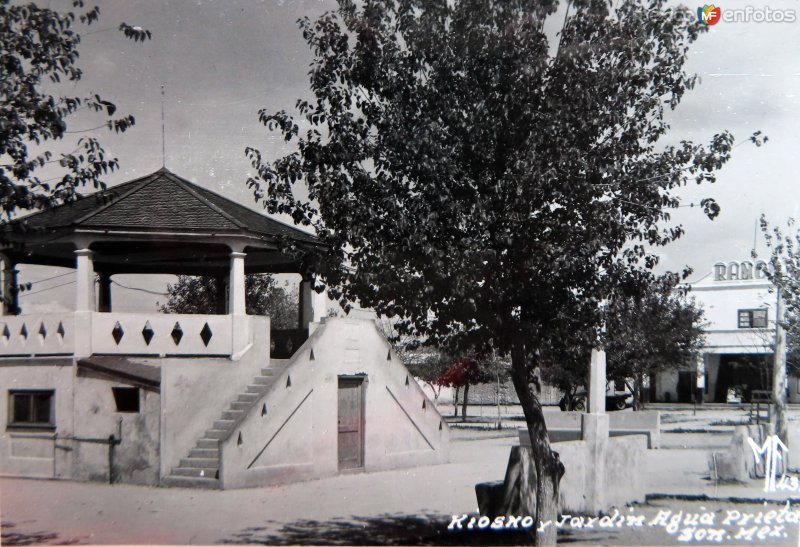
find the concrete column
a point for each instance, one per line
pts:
(104, 296)
(84, 299)
(597, 382)
(236, 299)
(594, 431)
(10, 289)
(700, 387)
(305, 313)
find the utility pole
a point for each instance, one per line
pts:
(779, 373)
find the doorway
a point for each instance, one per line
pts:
(351, 422)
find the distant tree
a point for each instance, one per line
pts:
(784, 273)
(38, 56)
(470, 178)
(263, 296)
(463, 372)
(429, 365)
(657, 330)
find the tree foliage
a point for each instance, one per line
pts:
(472, 179)
(39, 60)
(784, 273)
(660, 329)
(263, 296)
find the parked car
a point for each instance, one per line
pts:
(579, 401)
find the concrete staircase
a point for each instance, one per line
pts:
(201, 468)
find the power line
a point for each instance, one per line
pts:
(48, 288)
(49, 278)
(140, 289)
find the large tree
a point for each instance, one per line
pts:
(659, 329)
(39, 62)
(784, 273)
(473, 178)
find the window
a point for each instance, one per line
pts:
(753, 319)
(31, 408)
(126, 398)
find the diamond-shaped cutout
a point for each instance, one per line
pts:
(206, 334)
(6, 332)
(288, 381)
(42, 330)
(60, 330)
(24, 331)
(148, 333)
(264, 410)
(440, 426)
(406, 380)
(118, 333)
(311, 355)
(177, 333)
(389, 355)
(239, 440)
(424, 406)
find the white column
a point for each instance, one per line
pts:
(700, 388)
(236, 301)
(594, 431)
(306, 304)
(597, 382)
(84, 302)
(84, 298)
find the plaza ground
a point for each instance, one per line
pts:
(407, 506)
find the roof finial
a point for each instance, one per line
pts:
(163, 139)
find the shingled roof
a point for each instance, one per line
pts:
(162, 201)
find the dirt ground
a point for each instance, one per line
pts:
(408, 506)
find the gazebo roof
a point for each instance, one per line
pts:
(160, 213)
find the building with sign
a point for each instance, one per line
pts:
(739, 304)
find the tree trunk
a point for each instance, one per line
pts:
(538, 496)
(464, 404)
(455, 402)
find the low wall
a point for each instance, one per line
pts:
(622, 481)
(566, 426)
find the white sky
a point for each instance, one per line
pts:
(221, 61)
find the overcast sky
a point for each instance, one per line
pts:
(221, 61)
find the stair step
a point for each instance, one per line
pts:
(225, 425)
(232, 414)
(217, 433)
(269, 372)
(204, 452)
(247, 397)
(190, 482)
(204, 472)
(256, 388)
(208, 443)
(237, 406)
(263, 380)
(200, 463)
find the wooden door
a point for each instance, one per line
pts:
(351, 423)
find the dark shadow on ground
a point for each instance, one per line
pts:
(430, 529)
(8, 536)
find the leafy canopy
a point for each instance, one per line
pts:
(38, 56)
(471, 178)
(784, 249)
(263, 296)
